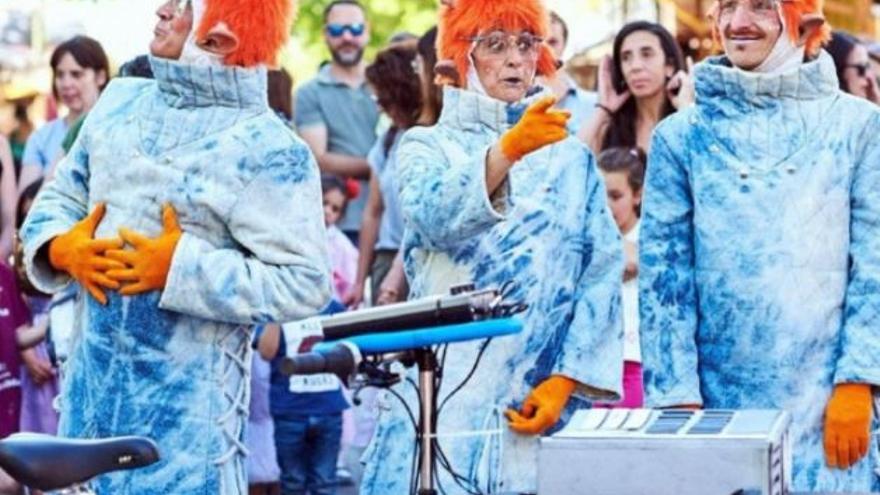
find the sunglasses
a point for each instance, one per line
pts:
(861, 69)
(337, 30)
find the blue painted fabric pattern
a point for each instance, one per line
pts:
(174, 365)
(548, 230)
(760, 254)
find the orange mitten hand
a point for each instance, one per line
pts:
(84, 258)
(540, 125)
(847, 424)
(148, 264)
(543, 407)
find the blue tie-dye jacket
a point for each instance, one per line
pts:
(173, 365)
(549, 231)
(760, 253)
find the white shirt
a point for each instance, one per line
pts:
(631, 349)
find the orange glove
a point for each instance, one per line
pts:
(847, 424)
(540, 125)
(148, 265)
(84, 258)
(543, 407)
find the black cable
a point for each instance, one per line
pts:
(414, 470)
(467, 378)
(439, 484)
(415, 387)
(438, 373)
(464, 483)
(506, 288)
(406, 407)
(506, 310)
(456, 477)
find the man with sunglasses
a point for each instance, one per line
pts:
(336, 113)
(760, 253)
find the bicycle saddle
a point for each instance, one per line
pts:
(45, 462)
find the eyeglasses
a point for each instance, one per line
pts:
(497, 44)
(180, 6)
(337, 30)
(861, 69)
(757, 7)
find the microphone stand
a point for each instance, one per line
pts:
(427, 363)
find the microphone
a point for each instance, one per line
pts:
(383, 342)
(340, 358)
(463, 305)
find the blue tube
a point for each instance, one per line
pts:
(377, 343)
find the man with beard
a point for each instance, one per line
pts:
(335, 112)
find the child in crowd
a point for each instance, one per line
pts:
(39, 377)
(13, 314)
(343, 254)
(344, 263)
(263, 471)
(624, 172)
(307, 412)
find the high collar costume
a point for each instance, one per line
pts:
(173, 364)
(547, 230)
(759, 253)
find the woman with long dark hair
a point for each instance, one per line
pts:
(643, 82)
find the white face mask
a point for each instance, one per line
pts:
(192, 54)
(473, 79)
(785, 55)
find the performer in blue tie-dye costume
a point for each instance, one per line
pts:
(497, 192)
(173, 363)
(760, 251)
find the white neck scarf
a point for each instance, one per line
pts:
(785, 55)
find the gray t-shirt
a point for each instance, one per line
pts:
(350, 116)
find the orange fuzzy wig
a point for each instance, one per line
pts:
(461, 20)
(262, 28)
(793, 12)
